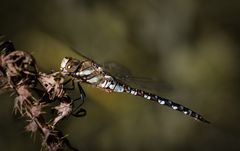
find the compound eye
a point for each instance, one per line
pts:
(69, 66)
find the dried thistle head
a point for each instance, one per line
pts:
(4, 84)
(53, 84)
(32, 126)
(36, 110)
(53, 140)
(19, 73)
(19, 62)
(23, 95)
(64, 109)
(6, 47)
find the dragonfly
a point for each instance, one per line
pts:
(90, 72)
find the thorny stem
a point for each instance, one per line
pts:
(35, 91)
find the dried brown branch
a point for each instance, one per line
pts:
(35, 92)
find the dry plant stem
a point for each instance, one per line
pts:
(32, 110)
(19, 73)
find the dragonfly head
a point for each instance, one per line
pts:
(69, 65)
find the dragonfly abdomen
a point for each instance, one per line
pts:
(163, 101)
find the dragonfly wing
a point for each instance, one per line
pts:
(123, 74)
(117, 70)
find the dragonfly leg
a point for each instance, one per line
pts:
(79, 112)
(82, 93)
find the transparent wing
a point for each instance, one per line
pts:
(123, 74)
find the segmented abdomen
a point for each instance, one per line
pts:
(163, 101)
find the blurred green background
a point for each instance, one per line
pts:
(192, 45)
